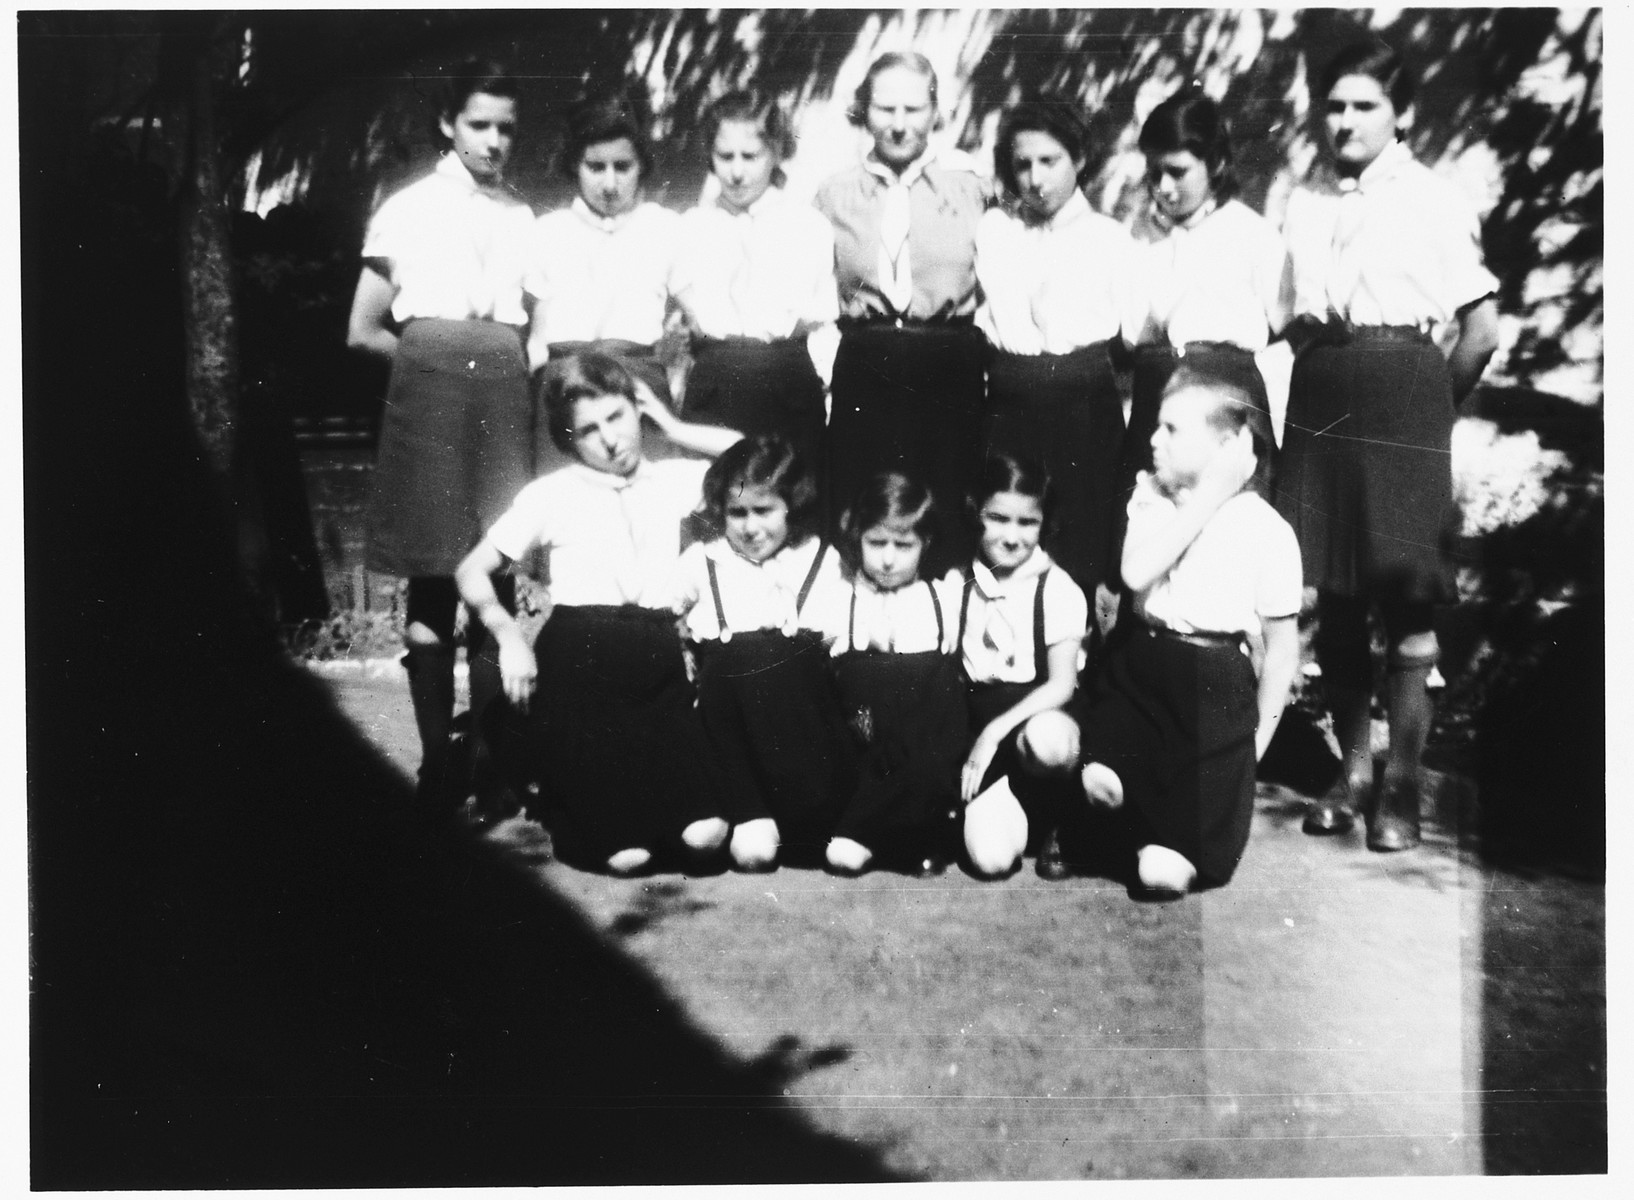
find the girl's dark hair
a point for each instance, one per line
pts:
(757, 108)
(1234, 408)
(1062, 121)
(889, 496)
(606, 118)
(467, 79)
(765, 460)
(1190, 121)
(579, 377)
(857, 114)
(1017, 473)
(1378, 61)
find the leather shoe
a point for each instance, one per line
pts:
(1334, 813)
(1395, 823)
(931, 866)
(1052, 865)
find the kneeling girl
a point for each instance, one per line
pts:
(764, 692)
(601, 702)
(1178, 718)
(1021, 630)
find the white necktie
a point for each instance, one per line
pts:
(895, 269)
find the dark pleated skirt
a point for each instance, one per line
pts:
(768, 705)
(1064, 411)
(908, 716)
(1365, 472)
(910, 400)
(757, 387)
(1153, 366)
(1176, 721)
(456, 445)
(612, 734)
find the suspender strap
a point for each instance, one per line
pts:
(964, 610)
(811, 578)
(715, 590)
(1039, 649)
(851, 623)
(941, 630)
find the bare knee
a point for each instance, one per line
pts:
(705, 835)
(1049, 743)
(754, 844)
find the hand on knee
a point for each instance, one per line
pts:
(627, 862)
(1049, 743)
(1102, 787)
(843, 854)
(705, 835)
(754, 844)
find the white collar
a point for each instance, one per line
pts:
(450, 167)
(772, 198)
(1204, 211)
(993, 587)
(1391, 160)
(909, 174)
(595, 220)
(607, 479)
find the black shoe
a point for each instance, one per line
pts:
(1334, 813)
(932, 865)
(1051, 864)
(1395, 823)
(489, 807)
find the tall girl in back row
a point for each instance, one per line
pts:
(440, 295)
(1053, 273)
(754, 275)
(1387, 264)
(1213, 283)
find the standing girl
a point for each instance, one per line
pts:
(900, 683)
(600, 707)
(1021, 631)
(1213, 283)
(440, 295)
(1052, 272)
(754, 275)
(908, 375)
(764, 692)
(1387, 268)
(599, 269)
(1178, 718)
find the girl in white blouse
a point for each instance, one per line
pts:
(764, 692)
(1212, 284)
(754, 275)
(440, 295)
(599, 270)
(1387, 270)
(599, 711)
(1054, 273)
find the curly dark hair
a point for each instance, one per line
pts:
(765, 460)
(1062, 121)
(564, 382)
(606, 118)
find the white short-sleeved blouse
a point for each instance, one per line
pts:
(761, 595)
(595, 277)
(998, 637)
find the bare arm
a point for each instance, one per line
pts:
(1477, 339)
(369, 326)
(1148, 558)
(1276, 677)
(708, 440)
(518, 669)
(1060, 681)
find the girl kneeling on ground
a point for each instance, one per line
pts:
(764, 692)
(1178, 719)
(601, 706)
(1021, 633)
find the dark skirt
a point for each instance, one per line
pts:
(612, 735)
(1064, 411)
(910, 400)
(908, 716)
(774, 724)
(1365, 473)
(1046, 799)
(456, 445)
(1153, 366)
(1176, 721)
(757, 387)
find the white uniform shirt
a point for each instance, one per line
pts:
(766, 273)
(759, 595)
(1242, 569)
(901, 621)
(1224, 276)
(611, 539)
(998, 640)
(1400, 247)
(454, 251)
(598, 277)
(1055, 287)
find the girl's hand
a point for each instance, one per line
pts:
(649, 405)
(518, 669)
(976, 764)
(1228, 472)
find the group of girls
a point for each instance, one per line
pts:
(969, 333)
